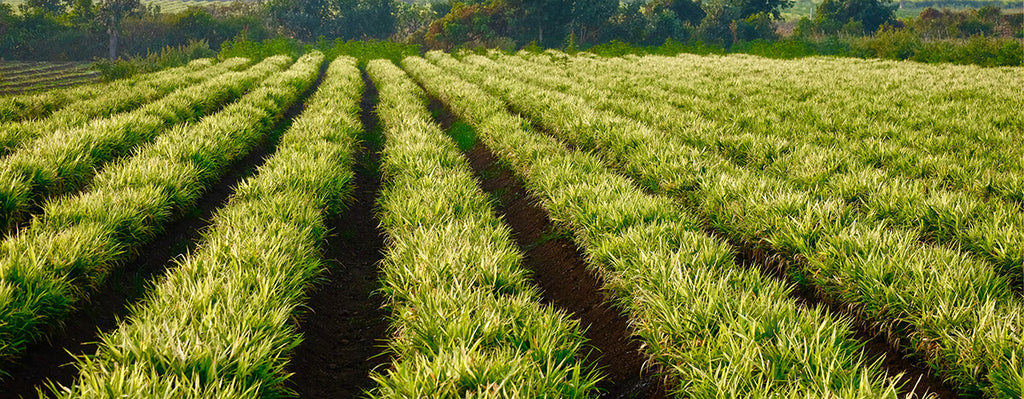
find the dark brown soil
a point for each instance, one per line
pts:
(53, 361)
(559, 271)
(345, 327)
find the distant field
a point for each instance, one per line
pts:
(802, 8)
(23, 76)
(167, 6)
(173, 6)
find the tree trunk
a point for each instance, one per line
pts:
(540, 35)
(112, 31)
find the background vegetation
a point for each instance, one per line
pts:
(151, 38)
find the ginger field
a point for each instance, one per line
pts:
(516, 226)
(17, 77)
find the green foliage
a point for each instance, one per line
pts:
(945, 24)
(59, 160)
(470, 26)
(570, 44)
(805, 28)
(82, 105)
(978, 50)
(670, 47)
(463, 135)
(877, 214)
(890, 43)
(55, 7)
(845, 15)
(694, 309)
(345, 19)
(533, 47)
(241, 46)
(365, 50)
(165, 58)
(466, 318)
(87, 235)
(231, 336)
(80, 34)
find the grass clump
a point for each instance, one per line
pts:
(466, 321)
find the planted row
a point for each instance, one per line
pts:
(66, 160)
(991, 229)
(717, 329)
(68, 251)
(118, 98)
(956, 124)
(952, 310)
(230, 335)
(466, 320)
(39, 105)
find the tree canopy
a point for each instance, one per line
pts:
(833, 14)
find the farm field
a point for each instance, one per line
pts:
(517, 225)
(17, 77)
(909, 8)
(166, 6)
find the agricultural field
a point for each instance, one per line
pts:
(17, 77)
(909, 8)
(166, 6)
(516, 226)
(176, 6)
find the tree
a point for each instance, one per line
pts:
(112, 13)
(627, 24)
(833, 14)
(588, 16)
(348, 19)
(686, 10)
(8, 41)
(53, 7)
(359, 19)
(545, 21)
(82, 12)
(730, 20)
(471, 25)
(304, 19)
(411, 18)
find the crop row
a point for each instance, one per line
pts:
(466, 320)
(958, 126)
(951, 309)
(52, 266)
(718, 329)
(935, 110)
(47, 81)
(66, 160)
(992, 230)
(120, 97)
(218, 325)
(35, 106)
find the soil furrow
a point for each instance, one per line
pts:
(345, 327)
(561, 274)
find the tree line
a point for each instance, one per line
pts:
(86, 29)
